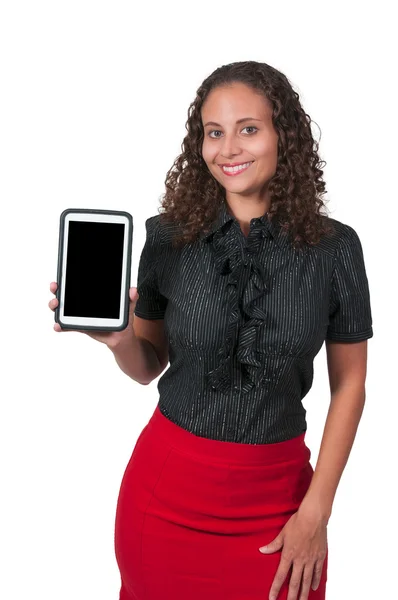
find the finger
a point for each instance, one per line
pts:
(295, 581)
(316, 578)
(279, 578)
(53, 287)
(57, 327)
(53, 303)
(306, 582)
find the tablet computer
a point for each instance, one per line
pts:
(94, 267)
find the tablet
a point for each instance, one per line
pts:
(94, 267)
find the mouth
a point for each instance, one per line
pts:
(237, 169)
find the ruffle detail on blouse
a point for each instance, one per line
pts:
(231, 261)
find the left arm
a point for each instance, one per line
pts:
(304, 537)
(347, 365)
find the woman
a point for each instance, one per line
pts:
(241, 280)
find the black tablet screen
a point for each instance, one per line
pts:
(94, 269)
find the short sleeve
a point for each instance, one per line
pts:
(150, 304)
(350, 316)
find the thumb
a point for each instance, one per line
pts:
(273, 546)
(133, 294)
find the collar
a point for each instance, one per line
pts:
(268, 225)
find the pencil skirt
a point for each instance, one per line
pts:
(192, 513)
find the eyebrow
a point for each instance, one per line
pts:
(239, 121)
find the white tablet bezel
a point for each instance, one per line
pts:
(97, 218)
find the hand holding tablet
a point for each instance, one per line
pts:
(93, 291)
(112, 339)
(94, 262)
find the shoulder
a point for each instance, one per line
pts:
(158, 231)
(343, 237)
(152, 225)
(344, 232)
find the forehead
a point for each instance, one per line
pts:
(235, 101)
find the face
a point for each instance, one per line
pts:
(253, 142)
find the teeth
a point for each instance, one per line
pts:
(238, 168)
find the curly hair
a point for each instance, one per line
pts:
(193, 196)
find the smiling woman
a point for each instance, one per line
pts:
(247, 112)
(250, 280)
(246, 149)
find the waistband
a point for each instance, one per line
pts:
(221, 451)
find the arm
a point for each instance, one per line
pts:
(144, 355)
(347, 364)
(137, 358)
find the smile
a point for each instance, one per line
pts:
(235, 170)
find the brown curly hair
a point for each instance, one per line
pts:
(193, 196)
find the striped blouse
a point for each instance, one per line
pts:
(245, 318)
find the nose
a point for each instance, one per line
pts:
(230, 146)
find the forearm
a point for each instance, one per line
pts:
(341, 425)
(137, 359)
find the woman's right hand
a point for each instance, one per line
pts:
(110, 338)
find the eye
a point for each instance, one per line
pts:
(213, 131)
(218, 131)
(250, 127)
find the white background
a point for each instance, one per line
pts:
(93, 105)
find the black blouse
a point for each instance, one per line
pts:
(245, 318)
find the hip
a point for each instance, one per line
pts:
(192, 513)
(216, 481)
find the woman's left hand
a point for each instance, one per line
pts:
(304, 542)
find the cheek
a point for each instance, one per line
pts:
(209, 156)
(268, 155)
(208, 153)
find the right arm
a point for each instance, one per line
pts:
(141, 350)
(144, 355)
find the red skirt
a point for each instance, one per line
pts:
(192, 513)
